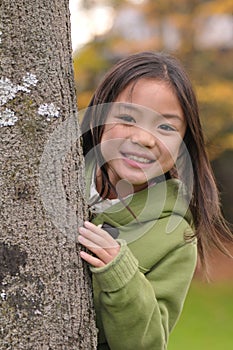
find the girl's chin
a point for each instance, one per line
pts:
(136, 176)
(141, 182)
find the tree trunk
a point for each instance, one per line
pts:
(45, 291)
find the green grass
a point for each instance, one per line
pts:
(207, 319)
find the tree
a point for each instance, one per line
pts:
(45, 298)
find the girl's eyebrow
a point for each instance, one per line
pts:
(172, 116)
(130, 106)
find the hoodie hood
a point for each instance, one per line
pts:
(161, 200)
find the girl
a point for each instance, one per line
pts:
(152, 200)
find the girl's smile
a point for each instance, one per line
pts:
(143, 133)
(137, 160)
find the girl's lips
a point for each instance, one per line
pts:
(137, 160)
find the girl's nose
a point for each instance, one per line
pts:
(143, 138)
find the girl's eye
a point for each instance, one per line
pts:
(126, 118)
(167, 127)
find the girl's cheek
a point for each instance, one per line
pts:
(170, 146)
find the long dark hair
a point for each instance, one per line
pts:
(210, 227)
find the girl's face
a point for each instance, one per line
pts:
(143, 133)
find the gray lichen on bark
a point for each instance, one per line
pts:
(46, 301)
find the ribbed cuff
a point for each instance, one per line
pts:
(118, 272)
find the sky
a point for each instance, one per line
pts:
(86, 24)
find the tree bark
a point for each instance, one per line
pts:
(45, 291)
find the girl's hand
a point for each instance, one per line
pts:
(99, 242)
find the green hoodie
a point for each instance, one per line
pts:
(139, 296)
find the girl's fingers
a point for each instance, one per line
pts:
(99, 231)
(104, 255)
(92, 227)
(100, 237)
(91, 259)
(99, 242)
(94, 238)
(88, 243)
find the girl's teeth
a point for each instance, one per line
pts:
(138, 159)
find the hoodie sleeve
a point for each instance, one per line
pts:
(138, 310)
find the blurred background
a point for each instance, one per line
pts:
(200, 34)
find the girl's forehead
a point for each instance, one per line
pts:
(142, 83)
